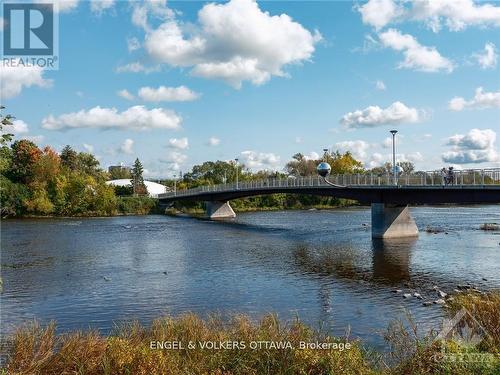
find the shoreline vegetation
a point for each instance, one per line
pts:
(240, 345)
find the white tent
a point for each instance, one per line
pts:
(153, 188)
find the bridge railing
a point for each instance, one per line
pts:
(466, 177)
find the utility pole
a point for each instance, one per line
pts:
(394, 168)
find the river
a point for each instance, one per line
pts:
(322, 266)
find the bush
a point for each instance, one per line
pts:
(136, 205)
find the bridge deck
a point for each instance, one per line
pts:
(472, 186)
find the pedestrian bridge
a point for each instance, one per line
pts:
(390, 213)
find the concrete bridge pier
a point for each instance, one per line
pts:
(219, 210)
(392, 221)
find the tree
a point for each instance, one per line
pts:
(301, 166)
(119, 172)
(69, 158)
(25, 154)
(137, 180)
(87, 163)
(407, 166)
(4, 121)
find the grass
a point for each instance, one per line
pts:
(35, 349)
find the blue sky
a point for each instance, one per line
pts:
(262, 81)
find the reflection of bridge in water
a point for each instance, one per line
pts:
(390, 213)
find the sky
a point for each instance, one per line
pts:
(181, 82)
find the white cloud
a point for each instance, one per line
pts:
(312, 156)
(125, 94)
(99, 6)
(61, 5)
(213, 141)
(417, 56)
(379, 13)
(127, 146)
(14, 78)
(137, 67)
(167, 94)
(455, 14)
(234, 42)
(396, 113)
(174, 159)
(481, 100)
(144, 10)
(179, 143)
(17, 127)
(475, 139)
(133, 44)
(298, 139)
(377, 159)
(380, 85)
(20, 129)
(356, 148)
(38, 139)
(259, 160)
(88, 148)
(489, 58)
(387, 143)
(477, 146)
(134, 118)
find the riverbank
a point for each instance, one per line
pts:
(189, 344)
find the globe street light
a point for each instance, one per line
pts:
(394, 169)
(324, 170)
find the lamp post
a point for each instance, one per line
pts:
(236, 160)
(394, 169)
(325, 150)
(175, 184)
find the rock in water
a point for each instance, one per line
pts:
(406, 295)
(417, 295)
(442, 294)
(439, 301)
(427, 303)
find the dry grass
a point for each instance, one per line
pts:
(416, 354)
(38, 350)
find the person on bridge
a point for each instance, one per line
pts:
(444, 175)
(451, 176)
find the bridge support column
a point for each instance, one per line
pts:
(392, 221)
(219, 210)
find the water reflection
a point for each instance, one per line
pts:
(391, 259)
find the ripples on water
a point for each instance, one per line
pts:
(320, 265)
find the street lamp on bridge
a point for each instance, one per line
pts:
(394, 168)
(236, 160)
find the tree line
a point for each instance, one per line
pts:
(40, 181)
(37, 181)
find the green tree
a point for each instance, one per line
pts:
(69, 158)
(407, 166)
(5, 121)
(25, 154)
(118, 173)
(137, 180)
(12, 197)
(88, 164)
